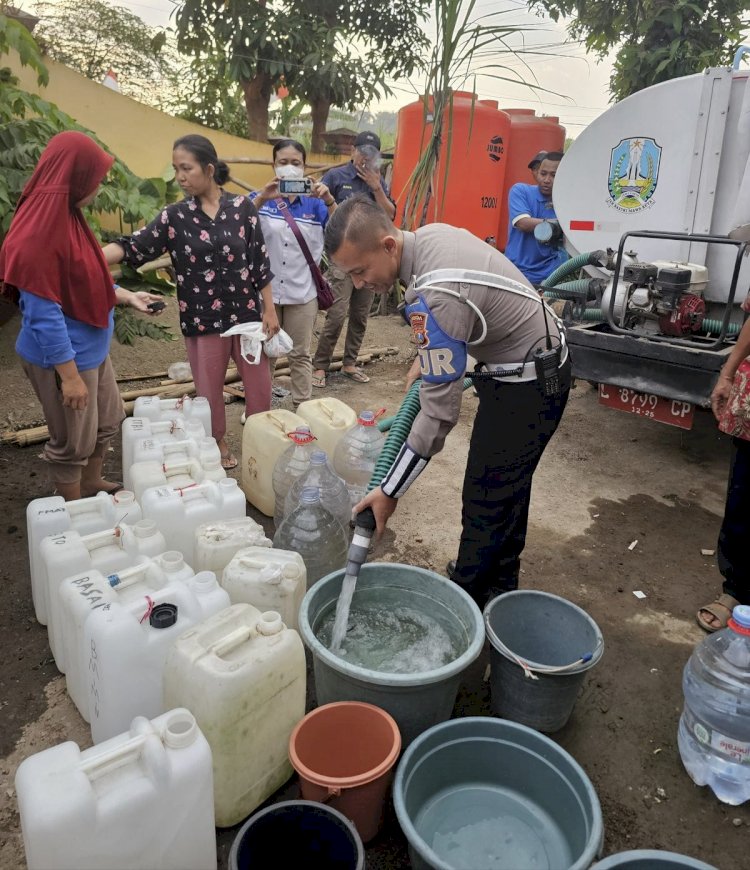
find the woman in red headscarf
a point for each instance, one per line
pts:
(53, 266)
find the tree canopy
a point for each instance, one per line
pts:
(656, 40)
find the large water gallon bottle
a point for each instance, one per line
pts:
(52, 515)
(269, 579)
(330, 419)
(140, 436)
(316, 535)
(292, 464)
(128, 642)
(244, 654)
(156, 409)
(714, 732)
(142, 799)
(356, 455)
(217, 543)
(334, 495)
(177, 473)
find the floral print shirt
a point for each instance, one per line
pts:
(735, 420)
(221, 264)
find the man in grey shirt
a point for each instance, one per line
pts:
(462, 292)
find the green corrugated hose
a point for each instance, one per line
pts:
(596, 315)
(398, 428)
(570, 266)
(578, 289)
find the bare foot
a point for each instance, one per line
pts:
(88, 489)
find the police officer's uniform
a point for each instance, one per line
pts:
(451, 303)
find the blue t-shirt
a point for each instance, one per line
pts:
(534, 259)
(48, 337)
(344, 182)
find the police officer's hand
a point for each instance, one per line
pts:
(415, 372)
(382, 506)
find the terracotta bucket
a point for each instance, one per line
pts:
(344, 754)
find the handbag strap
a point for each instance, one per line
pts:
(283, 207)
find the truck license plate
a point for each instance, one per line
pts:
(669, 411)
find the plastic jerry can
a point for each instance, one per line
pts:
(264, 439)
(137, 429)
(71, 553)
(92, 590)
(203, 449)
(158, 410)
(142, 800)
(178, 512)
(217, 543)
(175, 473)
(128, 643)
(50, 516)
(329, 420)
(242, 674)
(269, 580)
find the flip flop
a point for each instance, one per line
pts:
(359, 376)
(318, 381)
(720, 609)
(229, 462)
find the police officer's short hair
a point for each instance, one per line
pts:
(360, 221)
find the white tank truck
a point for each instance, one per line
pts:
(653, 200)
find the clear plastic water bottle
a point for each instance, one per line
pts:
(315, 534)
(333, 493)
(292, 463)
(356, 455)
(714, 732)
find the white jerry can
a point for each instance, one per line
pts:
(264, 439)
(52, 515)
(217, 543)
(202, 449)
(242, 674)
(128, 643)
(178, 512)
(329, 419)
(136, 430)
(269, 580)
(158, 410)
(92, 590)
(72, 553)
(175, 473)
(142, 801)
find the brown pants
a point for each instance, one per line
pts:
(74, 436)
(298, 322)
(357, 303)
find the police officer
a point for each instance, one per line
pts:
(463, 293)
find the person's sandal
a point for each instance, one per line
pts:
(229, 462)
(319, 381)
(357, 375)
(720, 609)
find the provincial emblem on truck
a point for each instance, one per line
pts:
(633, 174)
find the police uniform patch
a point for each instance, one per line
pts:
(418, 322)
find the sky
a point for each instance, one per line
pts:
(576, 84)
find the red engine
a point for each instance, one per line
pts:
(687, 317)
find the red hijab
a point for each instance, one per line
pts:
(50, 250)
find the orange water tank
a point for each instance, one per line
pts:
(529, 134)
(471, 194)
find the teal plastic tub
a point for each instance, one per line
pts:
(416, 701)
(651, 859)
(487, 794)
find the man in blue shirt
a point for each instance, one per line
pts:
(528, 206)
(360, 175)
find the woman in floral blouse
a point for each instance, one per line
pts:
(223, 276)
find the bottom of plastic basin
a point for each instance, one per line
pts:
(484, 826)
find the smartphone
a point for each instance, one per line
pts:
(156, 306)
(295, 186)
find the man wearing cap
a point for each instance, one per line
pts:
(360, 175)
(536, 162)
(528, 206)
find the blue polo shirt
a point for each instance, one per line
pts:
(534, 259)
(344, 182)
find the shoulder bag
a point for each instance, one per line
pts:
(325, 293)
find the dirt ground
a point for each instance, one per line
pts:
(607, 480)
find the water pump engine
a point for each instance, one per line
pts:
(659, 298)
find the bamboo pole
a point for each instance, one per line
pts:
(125, 378)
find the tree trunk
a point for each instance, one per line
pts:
(319, 109)
(257, 93)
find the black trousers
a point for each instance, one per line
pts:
(514, 424)
(733, 554)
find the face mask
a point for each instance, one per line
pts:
(289, 171)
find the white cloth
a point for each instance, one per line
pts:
(252, 337)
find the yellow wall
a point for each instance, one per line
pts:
(140, 136)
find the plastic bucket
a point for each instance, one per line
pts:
(482, 792)
(297, 834)
(415, 700)
(545, 631)
(344, 754)
(651, 859)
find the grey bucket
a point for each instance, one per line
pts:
(416, 701)
(481, 792)
(651, 859)
(545, 631)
